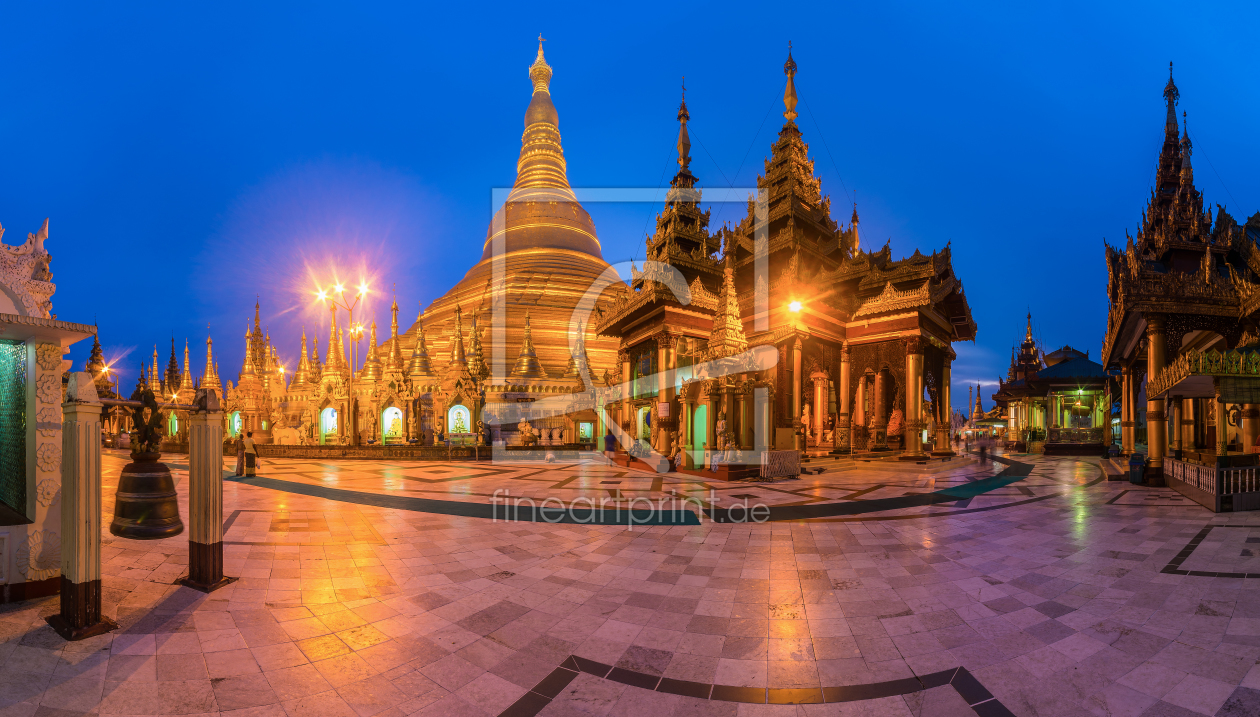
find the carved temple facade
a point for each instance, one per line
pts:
(1185, 286)
(781, 332)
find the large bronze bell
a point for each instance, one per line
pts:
(145, 506)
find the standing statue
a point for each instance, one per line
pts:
(805, 420)
(411, 425)
(720, 429)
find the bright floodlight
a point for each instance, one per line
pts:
(340, 288)
(322, 295)
(363, 289)
(794, 307)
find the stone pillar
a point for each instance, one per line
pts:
(879, 418)
(843, 416)
(944, 414)
(798, 441)
(1250, 428)
(663, 391)
(205, 497)
(1156, 423)
(1222, 425)
(80, 615)
(914, 396)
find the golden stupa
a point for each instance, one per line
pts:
(548, 257)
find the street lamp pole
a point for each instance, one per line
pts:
(341, 302)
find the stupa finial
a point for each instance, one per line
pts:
(540, 71)
(789, 93)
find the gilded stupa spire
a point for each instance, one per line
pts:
(314, 368)
(186, 377)
(578, 360)
(476, 361)
(789, 92)
(727, 336)
(372, 366)
(395, 362)
(247, 367)
(331, 361)
(527, 364)
(458, 357)
(1028, 332)
(540, 71)
(211, 379)
(420, 366)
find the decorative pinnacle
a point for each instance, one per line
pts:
(1171, 95)
(789, 93)
(684, 141)
(540, 71)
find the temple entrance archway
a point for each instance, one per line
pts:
(328, 426)
(643, 424)
(172, 425)
(234, 424)
(699, 433)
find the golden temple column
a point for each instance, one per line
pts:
(820, 406)
(1156, 423)
(1222, 425)
(798, 441)
(914, 396)
(944, 413)
(1187, 424)
(1250, 428)
(1126, 411)
(841, 441)
(627, 392)
(663, 389)
(746, 416)
(879, 418)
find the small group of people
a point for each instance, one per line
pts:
(246, 454)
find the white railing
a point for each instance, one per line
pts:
(1217, 481)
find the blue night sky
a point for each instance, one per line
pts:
(193, 157)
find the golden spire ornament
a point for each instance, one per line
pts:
(540, 71)
(789, 93)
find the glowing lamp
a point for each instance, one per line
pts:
(794, 307)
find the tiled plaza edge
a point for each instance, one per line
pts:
(1049, 595)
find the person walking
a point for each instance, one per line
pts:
(251, 454)
(240, 454)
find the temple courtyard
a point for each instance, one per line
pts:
(1030, 586)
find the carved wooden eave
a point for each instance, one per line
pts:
(891, 299)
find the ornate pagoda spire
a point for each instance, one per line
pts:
(395, 362)
(171, 375)
(211, 379)
(247, 367)
(727, 337)
(332, 361)
(1028, 332)
(155, 376)
(372, 365)
(789, 92)
(578, 360)
(682, 237)
(185, 379)
(458, 357)
(315, 370)
(1187, 171)
(476, 361)
(96, 359)
(541, 193)
(420, 366)
(684, 141)
(527, 365)
(853, 228)
(303, 371)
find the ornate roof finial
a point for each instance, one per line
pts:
(789, 93)
(1171, 95)
(684, 141)
(1028, 333)
(540, 71)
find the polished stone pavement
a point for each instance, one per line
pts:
(1058, 593)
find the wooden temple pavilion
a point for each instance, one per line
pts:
(1184, 302)
(861, 344)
